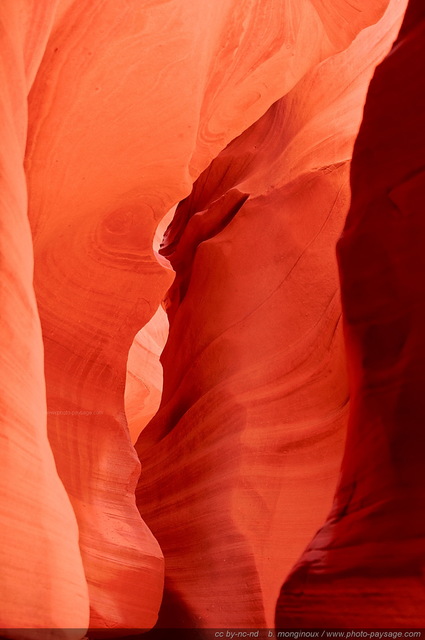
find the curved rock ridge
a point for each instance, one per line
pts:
(144, 373)
(365, 567)
(42, 579)
(130, 103)
(244, 452)
(143, 387)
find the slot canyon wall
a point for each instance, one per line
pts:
(244, 114)
(366, 565)
(246, 447)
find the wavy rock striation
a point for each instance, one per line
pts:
(365, 567)
(130, 103)
(240, 463)
(42, 579)
(116, 109)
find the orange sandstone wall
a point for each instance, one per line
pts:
(110, 111)
(42, 580)
(243, 456)
(129, 105)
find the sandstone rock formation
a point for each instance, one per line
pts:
(144, 373)
(42, 579)
(246, 447)
(127, 108)
(93, 139)
(366, 565)
(111, 113)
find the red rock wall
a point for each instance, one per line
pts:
(42, 579)
(129, 104)
(244, 453)
(115, 109)
(365, 567)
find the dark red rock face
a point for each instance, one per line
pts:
(366, 565)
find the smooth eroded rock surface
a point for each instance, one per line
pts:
(365, 567)
(42, 580)
(109, 113)
(144, 373)
(130, 103)
(244, 453)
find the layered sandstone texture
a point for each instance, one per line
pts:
(245, 449)
(42, 579)
(111, 113)
(365, 567)
(129, 104)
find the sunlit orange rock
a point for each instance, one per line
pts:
(42, 581)
(130, 103)
(365, 567)
(240, 463)
(144, 373)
